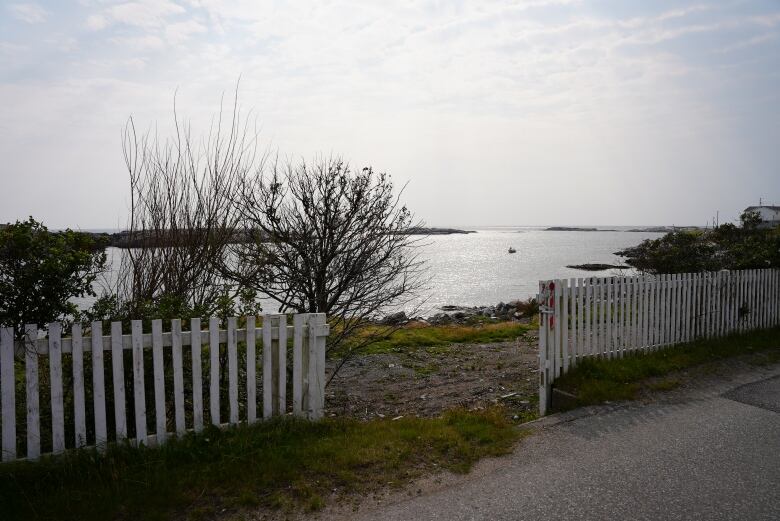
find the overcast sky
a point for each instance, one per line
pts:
(496, 113)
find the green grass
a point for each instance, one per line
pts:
(278, 464)
(598, 380)
(417, 335)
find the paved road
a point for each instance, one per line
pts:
(711, 453)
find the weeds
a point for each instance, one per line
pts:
(597, 380)
(286, 464)
(416, 335)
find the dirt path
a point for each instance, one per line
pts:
(426, 381)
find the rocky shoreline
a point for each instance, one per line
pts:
(597, 267)
(451, 314)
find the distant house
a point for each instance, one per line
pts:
(770, 215)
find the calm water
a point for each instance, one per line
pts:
(476, 269)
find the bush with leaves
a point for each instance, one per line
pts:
(41, 272)
(727, 246)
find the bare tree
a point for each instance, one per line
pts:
(328, 239)
(181, 213)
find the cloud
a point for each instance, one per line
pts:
(177, 33)
(30, 13)
(97, 22)
(750, 42)
(536, 86)
(143, 14)
(139, 43)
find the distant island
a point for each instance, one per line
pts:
(664, 229)
(649, 229)
(437, 231)
(575, 229)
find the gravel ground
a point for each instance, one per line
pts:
(427, 381)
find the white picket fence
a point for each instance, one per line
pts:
(611, 316)
(19, 362)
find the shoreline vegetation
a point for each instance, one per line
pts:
(597, 381)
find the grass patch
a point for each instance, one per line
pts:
(425, 370)
(280, 464)
(597, 380)
(416, 335)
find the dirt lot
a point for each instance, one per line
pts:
(426, 381)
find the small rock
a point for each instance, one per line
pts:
(395, 319)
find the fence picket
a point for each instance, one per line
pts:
(298, 321)
(747, 304)
(282, 363)
(178, 377)
(646, 287)
(732, 299)
(268, 375)
(544, 361)
(118, 373)
(588, 318)
(754, 299)
(98, 385)
(214, 375)
(158, 370)
(720, 302)
(580, 321)
(8, 393)
(629, 333)
(33, 407)
(683, 306)
(773, 298)
(197, 375)
(139, 393)
(763, 306)
(251, 371)
(55, 388)
(564, 324)
(610, 290)
(79, 408)
(764, 300)
(232, 351)
(663, 286)
(317, 366)
(556, 354)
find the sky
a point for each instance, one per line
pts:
(531, 112)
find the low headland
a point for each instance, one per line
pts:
(127, 239)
